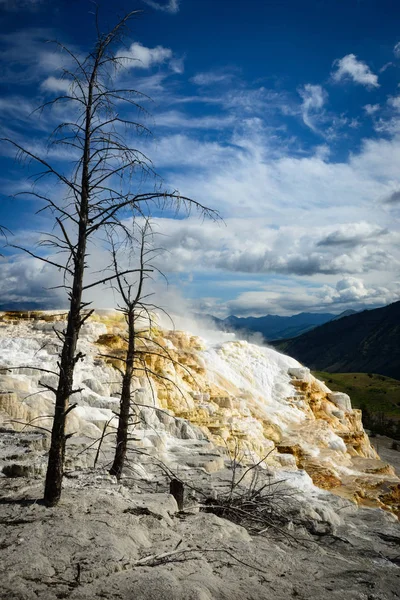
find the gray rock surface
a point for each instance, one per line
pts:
(109, 541)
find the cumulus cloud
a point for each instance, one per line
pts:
(350, 67)
(171, 6)
(351, 288)
(28, 280)
(353, 234)
(252, 246)
(239, 247)
(288, 297)
(249, 178)
(351, 291)
(314, 98)
(140, 57)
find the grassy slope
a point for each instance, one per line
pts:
(377, 393)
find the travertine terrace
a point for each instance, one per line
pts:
(199, 404)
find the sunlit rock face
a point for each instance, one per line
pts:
(197, 402)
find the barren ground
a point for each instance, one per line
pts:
(101, 540)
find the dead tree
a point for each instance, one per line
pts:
(99, 189)
(132, 306)
(139, 316)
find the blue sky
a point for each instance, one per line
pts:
(282, 115)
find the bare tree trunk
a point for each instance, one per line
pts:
(125, 403)
(69, 358)
(54, 474)
(68, 361)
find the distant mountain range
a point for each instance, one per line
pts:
(17, 306)
(365, 342)
(274, 327)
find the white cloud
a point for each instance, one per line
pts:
(250, 178)
(28, 280)
(394, 102)
(322, 152)
(386, 67)
(25, 57)
(288, 297)
(351, 288)
(396, 50)
(211, 78)
(177, 65)
(296, 217)
(140, 57)
(256, 101)
(352, 234)
(253, 246)
(350, 67)
(16, 107)
(171, 6)
(353, 123)
(54, 84)
(314, 98)
(351, 291)
(317, 276)
(180, 151)
(371, 109)
(176, 119)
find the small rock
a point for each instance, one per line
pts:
(341, 400)
(301, 373)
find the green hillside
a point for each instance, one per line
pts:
(379, 394)
(367, 342)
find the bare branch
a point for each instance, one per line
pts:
(86, 287)
(41, 161)
(46, 260)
